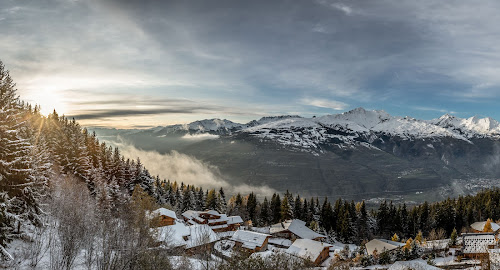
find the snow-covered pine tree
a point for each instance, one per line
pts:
(17, 188)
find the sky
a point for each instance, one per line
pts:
(138, 64)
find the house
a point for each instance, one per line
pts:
(251, 241)
(408, 265)
(163, 217)
(308, 249)
(294, 229)
(381, 245)
(478, 227)
(476, 244)
(193, 238)
(218, 222)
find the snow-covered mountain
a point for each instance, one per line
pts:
(367, 126)
(355, 127)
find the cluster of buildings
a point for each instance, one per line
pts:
(198, 231)
(482, 242)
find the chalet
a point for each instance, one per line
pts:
(193, 238)
(476, 244)
(251, 241)
(218, 222)
(294, 229)
(164, 217)
(382, 245)
(308, 249)
(478, 227)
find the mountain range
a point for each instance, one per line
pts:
(359, 154)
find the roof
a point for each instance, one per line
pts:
(297, 227)
(400, 265)
(477, 242)
(381, 245)
(165, 212)
(280, 242)
(189, 236)
(307, 248)
(234, 220)
(200, 234)
(173, 235)
(479, 226)
(250, 239)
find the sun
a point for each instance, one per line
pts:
(50, 100)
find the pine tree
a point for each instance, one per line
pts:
(264, 215)
(251, 207)
(286, 210)
(276, 208)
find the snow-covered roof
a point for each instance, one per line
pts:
(307, 248)
(200, 234)
(210, 212)
(408, 265)
(250, 239)
(381, 245)
(280, 242)
(296, 226)
(173, 235)
(189, 236)
(479, 226)
(189, 214)
(436, 244)
(234, 220)
(223, 218)
(165, 212)
(477, 242)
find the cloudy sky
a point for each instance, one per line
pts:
(147, 63)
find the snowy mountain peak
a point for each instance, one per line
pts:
(365, 118)
(471, 127)
(212, 124)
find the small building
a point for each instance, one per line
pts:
(477, 244)
(294, 229)
(251, 241)
(312, 250)
(218, 222)
(478, 227)
(382, 245)
(165, 217)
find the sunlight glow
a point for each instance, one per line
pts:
(50, 100)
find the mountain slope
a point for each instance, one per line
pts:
(356, 154)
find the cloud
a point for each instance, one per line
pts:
(200, 137)
(420, 108)
(344, 8)
(325, 103)
(179, 167)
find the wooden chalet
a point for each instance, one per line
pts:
(251, 241)
(294, 229)
(218, 222)
(308, 249)
(163, 217)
